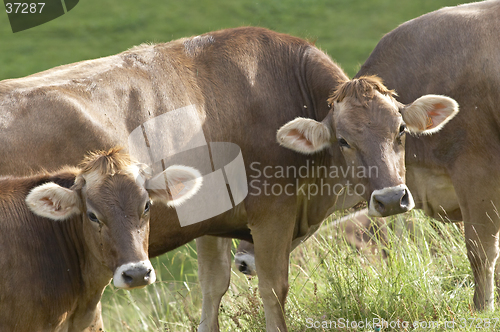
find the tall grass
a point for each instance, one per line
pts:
(426, 279)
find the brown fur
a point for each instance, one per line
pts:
(110, 162)
(54, 280)
(361, 89)
(105, 164)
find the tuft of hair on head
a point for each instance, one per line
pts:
(105, 162)
(361, 89)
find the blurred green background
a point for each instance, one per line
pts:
(346, 29)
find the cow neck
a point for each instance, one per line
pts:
(318, 207)
(166, 233)
(86, 268)
(318, 79)
(419, 152)
(309, 103)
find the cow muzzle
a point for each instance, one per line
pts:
(389, 201)
(133, 275)
(245, 263)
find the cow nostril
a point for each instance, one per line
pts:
(128, 279)
(242, 267)
(148, 275)
(405, 200)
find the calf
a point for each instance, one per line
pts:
(64, 235)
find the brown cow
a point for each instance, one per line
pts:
(242, 85)
(454, 175)
(64, 235)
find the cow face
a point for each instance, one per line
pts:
(368, 125)
(113, 198)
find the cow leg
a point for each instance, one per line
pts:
(481, 225)
(482, 251)
(97, 324)
(214, 271)
(497, 280)
(272, 244)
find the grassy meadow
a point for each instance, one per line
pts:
(346, 29)
(426, 279)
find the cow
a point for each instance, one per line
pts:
(65, 234)
(453, 175)
(249, 87)
(360, 231)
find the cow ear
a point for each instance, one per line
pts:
(429, 113)
(304, 135)
(52, 201)
(175, 185)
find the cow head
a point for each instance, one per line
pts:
(112, 195)
(369, 127)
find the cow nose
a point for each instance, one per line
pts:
(133, 275)
(389, 201)
(136, 277)
(243, 268)
(245, 263)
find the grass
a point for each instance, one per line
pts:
(346, 29)
(426, 280)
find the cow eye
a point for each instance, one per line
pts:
(93, 217)
(343, 143)
(147, 207)
(402, 129)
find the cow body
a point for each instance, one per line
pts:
(96, 104)
(63, 236)
(454, 175)
(245, 84)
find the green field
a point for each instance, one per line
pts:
(427, 279)
(346, 29)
